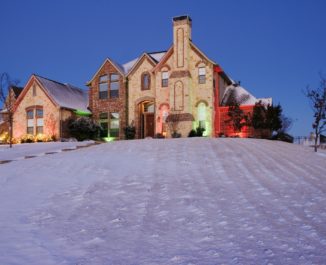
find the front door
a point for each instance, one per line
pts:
(148, 124)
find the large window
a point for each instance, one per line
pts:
(114, 124)
(104, 123)
(39, 121)
(165, 79)
(103, 87)
(201, 115)
(114, 86)
(145, 81)
(202, 75)
(35, 121)
(30, 121)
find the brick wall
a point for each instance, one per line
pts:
(119, 105)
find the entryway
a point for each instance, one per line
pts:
(147, 116)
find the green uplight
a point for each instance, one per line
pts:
(108, 139)
(82, 113)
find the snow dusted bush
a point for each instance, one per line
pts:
(84, 128)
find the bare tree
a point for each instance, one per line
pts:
(7, 100)
(317, 99)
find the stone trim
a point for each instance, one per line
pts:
(180, 74)
(180, 117)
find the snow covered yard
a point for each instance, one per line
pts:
(178, 201)
(20, 151)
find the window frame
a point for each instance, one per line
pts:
(165, 81)
(114, 93)
(143, 87)
(103, 93)
(201, 77)
(117, 130)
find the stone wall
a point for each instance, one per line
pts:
(51, 112)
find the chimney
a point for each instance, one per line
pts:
(181, 40)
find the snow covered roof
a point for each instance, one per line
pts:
(156, 56)
(65, 95)
(243, 96)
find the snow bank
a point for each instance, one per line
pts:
(178, 201)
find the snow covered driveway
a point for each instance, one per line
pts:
(178, 201)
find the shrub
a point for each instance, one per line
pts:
(159, 136)
(192, 133)
(84, 128)
(43, 138)
(4, 137)
(196, 133)
(28, 138)
(130, 132)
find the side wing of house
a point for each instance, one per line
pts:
(108, 99)
(141, 97)
(35, 112)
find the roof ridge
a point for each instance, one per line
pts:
(50, 79)
(155, 52)
(63, 84)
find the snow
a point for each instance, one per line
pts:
(20, 151)
(177, 201)
(240, 93)
(66, 95)
(127, 66)
(157, 55)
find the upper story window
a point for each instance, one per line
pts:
(145, 81)
(114, 86)
(103, 87)
(165, 79)
(201, 75)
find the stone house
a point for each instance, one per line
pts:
(181, 84)
(44, 107)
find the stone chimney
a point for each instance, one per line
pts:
(181, 41)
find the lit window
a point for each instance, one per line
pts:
(114, 124)
(145, 82)
(104, 124)
(165, 79)
(114, 86)
(201, 75)
(30, 122)
(103, 87)
(39, 121)
(201, 112)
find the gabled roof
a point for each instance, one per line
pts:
(125, 69)
(65, 95)
(117, 66)
(192, 45)
(243, 96)
(154, 57)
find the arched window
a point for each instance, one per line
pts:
(201, 115)
(145, 81)
(35, 123)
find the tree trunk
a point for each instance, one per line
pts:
(10, 131)
(316, 140)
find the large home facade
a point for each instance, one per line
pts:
(181, 84)
(44, 106)
(159, 93)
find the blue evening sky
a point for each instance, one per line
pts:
(274, 47)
